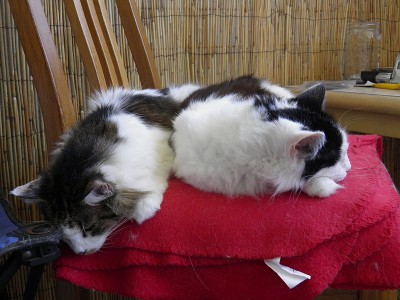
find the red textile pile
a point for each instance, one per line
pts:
(206, 246)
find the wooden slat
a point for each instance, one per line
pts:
(333, 294)
(87, 49)
(138, 43)
(68, 291)
(378, 295)
(99, 42)
(45, 67)
(110, 43)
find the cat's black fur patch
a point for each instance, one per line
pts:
(330, 153)
(153, 110)
(164, 91)
(311, 99)
(245, 86)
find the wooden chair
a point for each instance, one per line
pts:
(104, 67)
(97, 46)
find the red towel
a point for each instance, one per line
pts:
(203, 245)
(379, 271)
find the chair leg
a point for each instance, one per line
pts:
(9, 268)
(68, 291)
(378, 295)
(35, 274)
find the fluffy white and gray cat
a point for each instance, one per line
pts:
(243, 136)
(111, 166)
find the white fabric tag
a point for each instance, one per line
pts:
(290, 276)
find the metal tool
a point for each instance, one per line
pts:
(395, 77)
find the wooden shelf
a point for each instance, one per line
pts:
(366, 110)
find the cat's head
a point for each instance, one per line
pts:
(320, 142)
(82, 209)
(74, 192)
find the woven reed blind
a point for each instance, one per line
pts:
(286, 41)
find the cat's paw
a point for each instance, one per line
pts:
(146, 207)
(321, 187)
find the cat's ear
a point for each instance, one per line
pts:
(28, 192)
(306, 144)
(312, 99)
(100, 190)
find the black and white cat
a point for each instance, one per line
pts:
(243, 136)
(111, 166)
(249, 137)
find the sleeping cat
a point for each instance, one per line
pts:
(112, 165)
(249, 137)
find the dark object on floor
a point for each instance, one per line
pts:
(33, 245)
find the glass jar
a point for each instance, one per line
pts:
(361, 49)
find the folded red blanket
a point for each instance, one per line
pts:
(238, 279)
(203, 245)
(378, 271)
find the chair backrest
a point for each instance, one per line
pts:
(98, 48)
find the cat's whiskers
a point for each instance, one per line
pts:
(297, 194)
(84, 229)
(365, 175)
(346, 112)
(294, 196)
(351, 121)
(355, 172)
(117, 227)
(107, 244)
(345, 122)
(116, 231)
(113, 231)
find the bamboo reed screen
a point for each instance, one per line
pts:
(287, 41)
